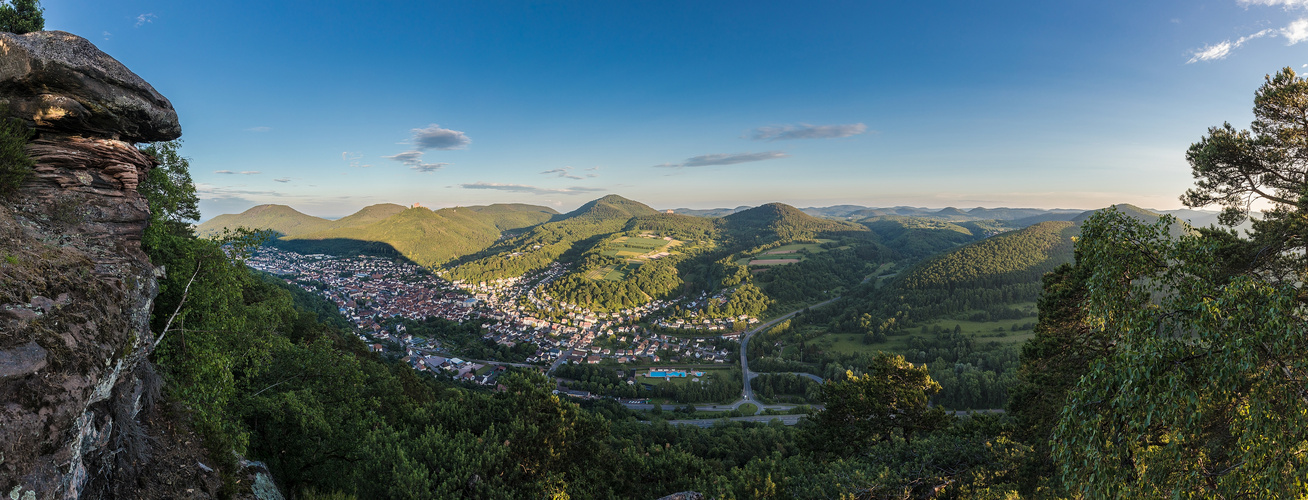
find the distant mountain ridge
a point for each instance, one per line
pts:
(503, 240)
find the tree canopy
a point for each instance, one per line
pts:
(1198, 343)
(22, 16)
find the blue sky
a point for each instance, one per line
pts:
(331, 106)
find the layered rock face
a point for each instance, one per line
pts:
(75, 287)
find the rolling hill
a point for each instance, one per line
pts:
(547, 242)
(280, 218)
(778, 221)
(424, 236)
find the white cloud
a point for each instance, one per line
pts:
(250, 172)
(414, 160)
(1296, 32)
(725, 159)
(145, 19)
(565, 172)
(523, 188)
(1288, 4)
(1223, 49)
(1211, 52)
(435, 137)
(806, 131)
(283, 179)
(354, 159)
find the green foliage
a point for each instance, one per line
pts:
(549, 242)
(1062, 351)
(1202, 392)
(1020, 256)
(917, 237)
(785, 388)
(463, 339)
(169, 190)
(1232, 168)
(284, 220)
(888, 401)
(781, 222)
(22, 16)
(642, 282)
(430, 237)
(15, 165)
(719, 386)
(821, 275)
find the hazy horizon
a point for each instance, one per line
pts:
(333, 216)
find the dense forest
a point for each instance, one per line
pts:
(546, 243)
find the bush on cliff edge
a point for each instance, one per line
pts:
(15, 165)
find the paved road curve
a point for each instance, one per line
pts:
(748, 392)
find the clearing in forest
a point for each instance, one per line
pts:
(637, 248)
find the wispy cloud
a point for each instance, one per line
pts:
(414, 160)
(806, 131)
(283, 179)
(244, 172)
(523, 188)
(258, 129)
(250, 172)
(107, 35)
(435, 137)
(203, 190)
(1293, 33)
(565, 172)
(227, 172)
(144, 19)
(1222, 49)
(1288, 4)
(354, 159)
(725, 159)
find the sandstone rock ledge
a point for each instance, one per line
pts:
(76, 385)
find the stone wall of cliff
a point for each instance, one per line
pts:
(75, 287)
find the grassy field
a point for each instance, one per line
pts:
(984, 331)
(791, 251)
(796, 247)
(610, 273)
(748, 409)
(633, 247)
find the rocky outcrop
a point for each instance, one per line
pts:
(61, 82)
(75, 288)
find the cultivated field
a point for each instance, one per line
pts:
(983, 331)
(785, 254)
(639, 247)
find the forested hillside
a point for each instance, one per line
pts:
(546, 242)
(429, 237)
(279, 218)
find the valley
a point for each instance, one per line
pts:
(620, 285)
